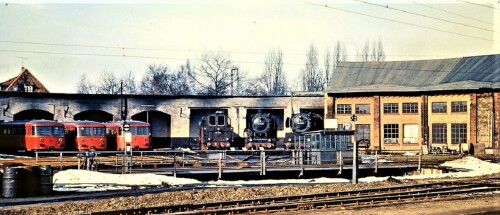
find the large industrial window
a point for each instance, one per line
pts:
(439, 133)
(391, 108)
(410, 107)
(344, 109)
(391, 133)
(362, 132)
(439, 107)
(458, 107)
(362, 108)
(458, 133)
(410, 133)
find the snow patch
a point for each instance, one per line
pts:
(280, 182)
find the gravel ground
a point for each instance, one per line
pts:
(183, 197)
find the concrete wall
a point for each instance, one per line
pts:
(64, 107)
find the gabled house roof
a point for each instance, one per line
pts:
(25, 77)
(467, 73)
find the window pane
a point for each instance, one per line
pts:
(458, 133)
(98, 131)
(439, 107)
(221, 120)
(439, 133)
(391, 133)
(43, 131)
(410, 107)
(362, 108)
(344, 109)
(58, 131)
(391, 108)
(410, 133)
(362, 132)
(211, 120)
(85, 132)
(142, 131)
(459, 106)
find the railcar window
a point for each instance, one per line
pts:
(211, 120)
(133, 130)
(58, 131)
(85, 131)
(98, 131)
(42, 130)
(142, 131)
(439, 107)
(221, 120)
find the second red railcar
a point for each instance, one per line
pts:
(85, 135)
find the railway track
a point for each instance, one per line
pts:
(334, 200)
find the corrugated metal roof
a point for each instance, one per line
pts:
(412, 76)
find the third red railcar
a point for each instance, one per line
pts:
(141, 137)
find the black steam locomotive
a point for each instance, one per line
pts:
(261, 132)
(302, 122)
(215, 131)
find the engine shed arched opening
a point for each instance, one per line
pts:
(33, 114)
(94, 115)
(160, 129)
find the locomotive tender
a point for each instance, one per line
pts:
(262, 132)
(215, 131)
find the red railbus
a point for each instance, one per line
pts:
(85, 135)
(31, 135)
(141, 137)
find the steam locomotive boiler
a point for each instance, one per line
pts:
(262, 132)
(302, 122)
(215, 131)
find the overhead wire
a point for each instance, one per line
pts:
(172, 50)
(400, 22)
(453, 13)
(423, 15)
(482, 5)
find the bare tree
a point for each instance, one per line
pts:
(83, 86)
(364, 54)
(311, 76)
(216, 74)
(129, 85)
(108, 83)
(158, 80)
(378, 53)
(254, 87)
(273, 75)
(329, 66)
(184, 80)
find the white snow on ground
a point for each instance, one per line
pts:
(84, 181)
(468, 166)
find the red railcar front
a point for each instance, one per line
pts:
(85, 135)
(140, 135)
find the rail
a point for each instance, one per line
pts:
(333, 200)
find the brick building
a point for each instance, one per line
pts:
(25, 81)
(404, 105)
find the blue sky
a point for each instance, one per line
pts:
(169, 32)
